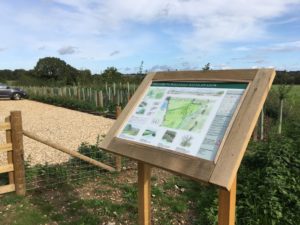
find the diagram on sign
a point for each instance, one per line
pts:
(185, 113)
(189, 118)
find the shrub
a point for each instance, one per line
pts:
(268, 184)
(66, 102)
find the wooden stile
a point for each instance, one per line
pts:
(5, 147)
(11, 177)
(5, 126)
(6, 168)
(8, 148)
(7, 188)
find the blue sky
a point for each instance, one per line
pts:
(165, 34)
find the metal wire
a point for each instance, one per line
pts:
(74, 170)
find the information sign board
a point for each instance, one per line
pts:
(186, 117)
(195, 123)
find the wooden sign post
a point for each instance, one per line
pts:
(194, 123)
(227, 201)
(144, 193)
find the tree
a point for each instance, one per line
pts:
(85, 76)
(283, 91)
(141, 68)
(206, 67)
(51, 68)
(6, 75)
(111, 74)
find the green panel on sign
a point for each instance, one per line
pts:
(230, 85)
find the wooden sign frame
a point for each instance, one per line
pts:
(221, 172)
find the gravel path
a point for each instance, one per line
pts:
(66, 127)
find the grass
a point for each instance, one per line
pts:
(295, 95)
(111, 197)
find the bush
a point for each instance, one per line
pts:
(94, 152)
(268, 183)
(66, 102)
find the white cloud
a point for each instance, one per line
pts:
(212, 22)
(67, 50)
(114, 53)
(222, 66)
(156, 68)
(283, 47)
(97, 28)
(242, 49)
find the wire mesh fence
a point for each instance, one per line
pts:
(45, 176)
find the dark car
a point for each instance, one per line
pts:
(12, 93)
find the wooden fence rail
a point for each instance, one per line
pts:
(15, 154)
(68, 151)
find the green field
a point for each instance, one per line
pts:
(292, 102)
(295, 94)
(186, 114)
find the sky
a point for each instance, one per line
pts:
(164, 34)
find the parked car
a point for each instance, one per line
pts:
(12, 93)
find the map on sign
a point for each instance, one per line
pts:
(189, 118)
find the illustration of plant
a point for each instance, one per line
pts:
(186, 141)
(149, 133)
(143, 104)
(169, 136)
(155, 121)
(155, 93)
(129, 129)
(140, 111)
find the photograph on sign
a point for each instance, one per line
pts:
(185, 117)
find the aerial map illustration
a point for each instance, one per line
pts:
(185, 113)
(188, 118)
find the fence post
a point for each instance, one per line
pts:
(83, 94)
(101, 102)
(18, 151)
(128, 92)
(255, 133)
(96, 98)
(118, 158)
(79, 93)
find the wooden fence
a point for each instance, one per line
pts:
(15, 166)
(15, 154)
(102, 96)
